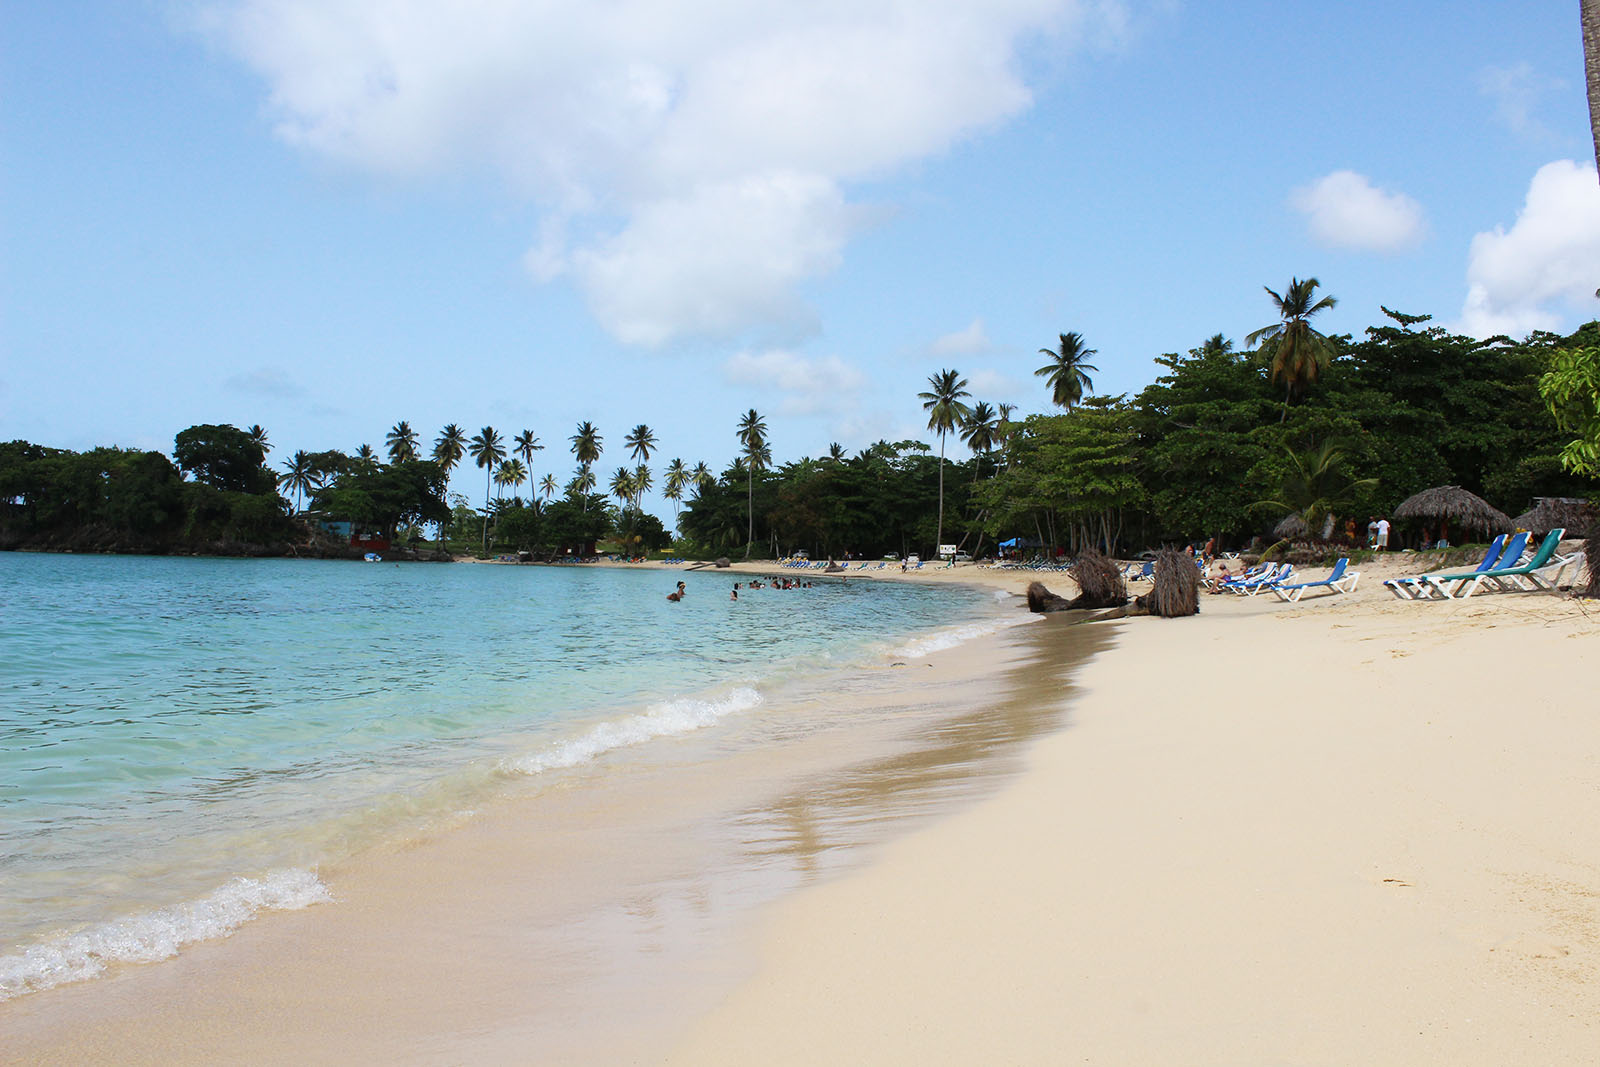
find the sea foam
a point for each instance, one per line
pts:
(156, 935)
(667, 719)
(940, 640)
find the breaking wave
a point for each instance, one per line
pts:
(666, 719)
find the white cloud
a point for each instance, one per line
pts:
(705, 143)
(1345, 210)
(1518, 279)
(989, 384)
(969, 341)
(809, 386)
(273, 382)
(1515, 91)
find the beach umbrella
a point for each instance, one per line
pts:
(1572, 513)
(1451, 503)
(1291, 528)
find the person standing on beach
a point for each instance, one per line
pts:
(1383, 534)
(1372, 532)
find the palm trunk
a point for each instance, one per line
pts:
(938, 536)
(1589, 15)
(486, 478)
(750, 509)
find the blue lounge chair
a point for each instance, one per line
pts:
(1444, 586)
(1417, 587)
(1275, 574)
(1340, 581)
(1524, 576)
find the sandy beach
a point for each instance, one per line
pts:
(1346, 830)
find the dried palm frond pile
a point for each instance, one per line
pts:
(1176, 587)
(1099, 579)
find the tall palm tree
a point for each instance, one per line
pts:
(300, 474)
(945, 411)
(486, 451)
(587, 444)
(1299, 353)
(258, 434)
(677, 482)
(366, 457)
(622, 485)
(582, 484)
(641, 442)
(1067, 371)
(510, 472)
(402, 443)
(981, 432)
(1589, 19)
(548, 486)
(525, 444)
(836, 452)
(701, 477)
(753, 435)
(642, 481)
(450, 446)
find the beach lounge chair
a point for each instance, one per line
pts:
(1415, 587)
(1520, 577)
(1275, 574)
(1444, 586)
(1340, 581)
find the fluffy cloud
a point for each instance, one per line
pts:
(809, 386)
(1517, 279)
(989, 384)
(1345, 210)
(967, 342)
(690, 156)
(1516, 91)
(272, 382)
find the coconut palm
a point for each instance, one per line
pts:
(548, 486)
(836, 452)
(402, 443)
(525, 444)
(1589, 19)
(581, 485)
(366, 457)
(677, 481)
(981, 432)
(945, 411)
(1315, 486)
(1067, 371)
(587, 444)
(623, 485)
(1299, 353)
(510, 472)
(450, 446)
(753, 435)
(641, 442)
(258, 434)
(300, 475)
(486, 451)
(701, 477)
(642, 483)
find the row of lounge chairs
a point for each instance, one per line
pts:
(1507, 566)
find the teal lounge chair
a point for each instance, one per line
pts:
(1444, 586)
(1525, 577)
(1340, 581)
(1416, 588)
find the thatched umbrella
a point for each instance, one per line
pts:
(1451, 503)
(1573, 513)
(1293, 527)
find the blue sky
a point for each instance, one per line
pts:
(324, 216)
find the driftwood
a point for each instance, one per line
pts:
(1175, 587)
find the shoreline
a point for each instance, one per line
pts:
(257, 967)
(1345, 830)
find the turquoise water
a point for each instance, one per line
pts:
(183, 741)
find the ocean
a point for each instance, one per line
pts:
(185, 742)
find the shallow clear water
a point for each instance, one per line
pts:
(183, 740)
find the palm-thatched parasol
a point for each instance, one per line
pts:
(1451, 503)
(1291, 528)
(1549, 512)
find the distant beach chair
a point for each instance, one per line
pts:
(1416, 587)
(1525, 577)
(1340, 581)
(1275, 574)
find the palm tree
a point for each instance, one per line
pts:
(753, 435)
(486, 451)
(1067, 371)
(677, 482)
(402, 443)
(1315, 486)
(366, 457)
(1589, 18)
(582, 484)
(449, 448)
(623, 485)
(945, 412)
(525, 444)
(701, 477)
(1299, 353)
(981, 432)
(259, 435)
(642, 481)
(548, 486)
(587, 444)
(300, 475)
(836, 452)
(510, 472)
(641, 442)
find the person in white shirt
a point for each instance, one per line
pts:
(1383, 534)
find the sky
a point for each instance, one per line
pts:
(326, 216)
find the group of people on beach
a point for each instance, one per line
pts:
(771, 583)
